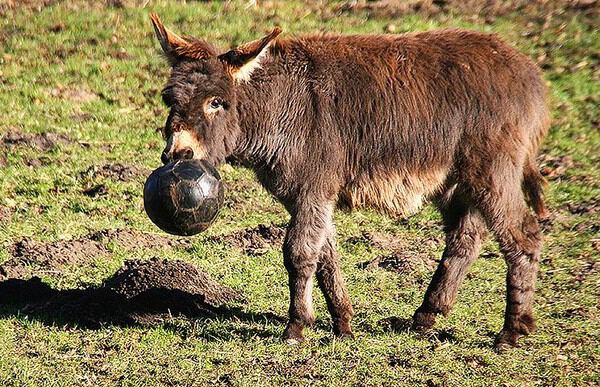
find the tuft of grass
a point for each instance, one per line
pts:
(93, 72)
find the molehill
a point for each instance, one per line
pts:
(141, 292)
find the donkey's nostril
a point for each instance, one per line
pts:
(187, 153)
(183, 154)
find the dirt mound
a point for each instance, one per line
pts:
(42, 141)
(401, 262)
(30, 257)
(142, 292)
(256, 240)
(138, 277)
(115, 171)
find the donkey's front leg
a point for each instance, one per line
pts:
(308, 230)
(332, 284)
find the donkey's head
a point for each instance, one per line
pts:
(201, 93)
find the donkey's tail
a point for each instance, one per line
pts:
(533, 187)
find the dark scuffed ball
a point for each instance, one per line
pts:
(183, 197)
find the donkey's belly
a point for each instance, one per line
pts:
(397, 193)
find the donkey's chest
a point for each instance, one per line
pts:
(397, 193)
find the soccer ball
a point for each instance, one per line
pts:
(183, 197)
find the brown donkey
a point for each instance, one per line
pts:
(385, 121)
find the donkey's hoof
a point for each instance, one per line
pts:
(293, 340)
(505, 341)
(293, 334)
(502, 347)
(423, 321)
(342, 330)
(345, 335)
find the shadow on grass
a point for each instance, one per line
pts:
(97, 307)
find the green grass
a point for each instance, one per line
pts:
(47, 56)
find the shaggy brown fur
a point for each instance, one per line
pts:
(386, 121)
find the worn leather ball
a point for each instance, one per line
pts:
(183, 197)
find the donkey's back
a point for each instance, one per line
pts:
(412, 115)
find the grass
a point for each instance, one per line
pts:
(94, 72)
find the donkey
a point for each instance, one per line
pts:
(383, 121)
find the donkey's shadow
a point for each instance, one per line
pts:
(98, 307)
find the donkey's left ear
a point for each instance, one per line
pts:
(243, 60)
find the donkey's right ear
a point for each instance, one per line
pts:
(171, 43)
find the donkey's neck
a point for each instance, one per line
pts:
(260, 141)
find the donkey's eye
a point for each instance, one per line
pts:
(215, 103)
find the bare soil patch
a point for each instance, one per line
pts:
(57, 27)
(41, 141)
(377, 239)
(121, 54)
(387, 241)
(95, 190)
(584, 208)
(115, 3)
(74, 94)
(35, 162)
(404, 258)
(31, 257)
(141, 292)
(256, 240)
(587, 268)
(115, 171)
(401, 262)
(50, 256)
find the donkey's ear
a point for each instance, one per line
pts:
(243, 60)
(170, 42)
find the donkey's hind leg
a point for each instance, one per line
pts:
(520, 240)
(465, 230)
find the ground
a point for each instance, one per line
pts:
(80, 106)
